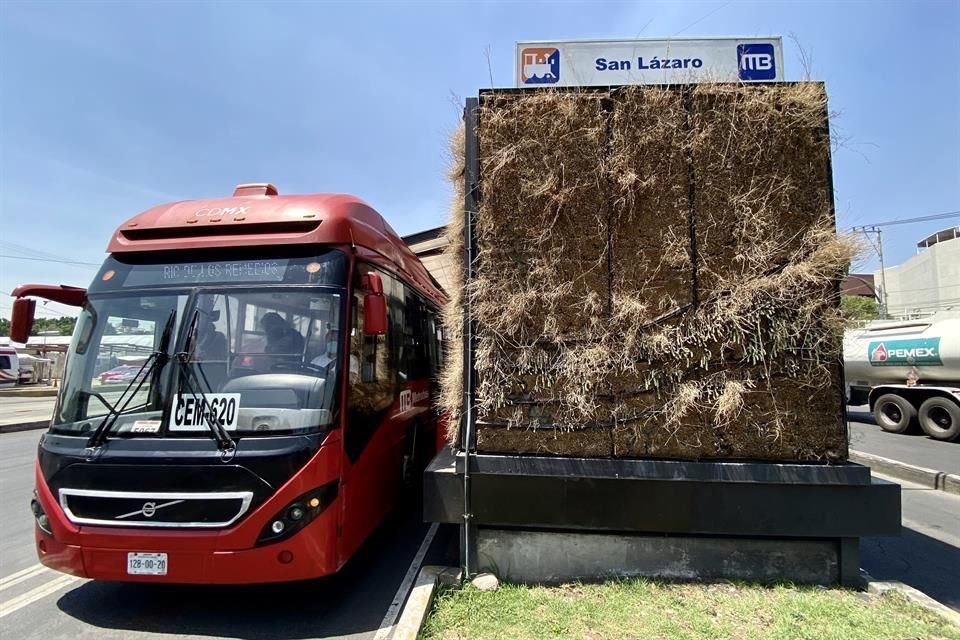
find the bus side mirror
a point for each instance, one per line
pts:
(21, 321)
(374, 314)
(374, 305)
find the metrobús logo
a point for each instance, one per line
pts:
(540, 65)
(756, 61)
(919, 351)
(409, 399)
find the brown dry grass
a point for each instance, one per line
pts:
(659, 265)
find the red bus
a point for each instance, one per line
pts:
(249, 388)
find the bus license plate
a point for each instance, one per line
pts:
(147, 564)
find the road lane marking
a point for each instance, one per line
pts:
(44, 590)
(390, 620)
(15, 577)
(22, 576)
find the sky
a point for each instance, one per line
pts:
(107, 109)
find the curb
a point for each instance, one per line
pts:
(930, 478)
(46, 392)
(915, 596)
(420, 599)
(24, 426)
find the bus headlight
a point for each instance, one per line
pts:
(39, 515)
(299, 513)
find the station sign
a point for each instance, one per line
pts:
(597, 63)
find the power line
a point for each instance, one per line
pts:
(45, 309)
(702, 18)
(76, 262)
(937, 216)
(946, 302)
(943, 286)
(52, 314)
(30, 251)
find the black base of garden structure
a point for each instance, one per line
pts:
(539, 519)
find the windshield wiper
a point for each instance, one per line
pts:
(188, 376)
(150, 368)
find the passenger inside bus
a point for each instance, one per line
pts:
(328, 359)
(282, 339)
(212, 344)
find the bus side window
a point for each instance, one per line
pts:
(434, 343)
(409, 332)
(362, 347)
(371, 391)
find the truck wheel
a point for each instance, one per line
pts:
(893, 413)
(940, 418)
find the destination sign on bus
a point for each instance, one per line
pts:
(323, 268)
(200, 272)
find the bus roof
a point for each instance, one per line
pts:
(257, 215)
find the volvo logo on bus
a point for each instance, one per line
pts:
(149, 509)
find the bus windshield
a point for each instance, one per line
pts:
(260, 358)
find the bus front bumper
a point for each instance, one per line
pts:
(306, 555)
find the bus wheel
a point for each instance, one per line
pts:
(940, 418)
(893, 413)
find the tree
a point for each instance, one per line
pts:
(859, 308)
(62, 325)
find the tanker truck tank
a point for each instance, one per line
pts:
(908, 372)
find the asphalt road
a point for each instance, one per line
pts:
(912, 448)
(349, 605)
(14, 410)
(926, 555)
(42, 604)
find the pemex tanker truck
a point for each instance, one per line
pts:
(908, 372)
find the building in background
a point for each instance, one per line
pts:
(929, 281)
(429, 245)
(859, 284)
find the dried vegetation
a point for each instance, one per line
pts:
(657, 274)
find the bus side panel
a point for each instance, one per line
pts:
(373, 482)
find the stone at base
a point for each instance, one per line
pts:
(541, 557)
(486, 582)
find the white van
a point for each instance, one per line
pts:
(9, 367)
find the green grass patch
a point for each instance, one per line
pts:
(647, 609)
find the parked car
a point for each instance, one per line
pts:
(123, 373)
(9, 367)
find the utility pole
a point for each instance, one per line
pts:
(866, 230)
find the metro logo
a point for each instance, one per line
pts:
(921, 351)
(409, 400)
(540, 65)
(756, 61)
